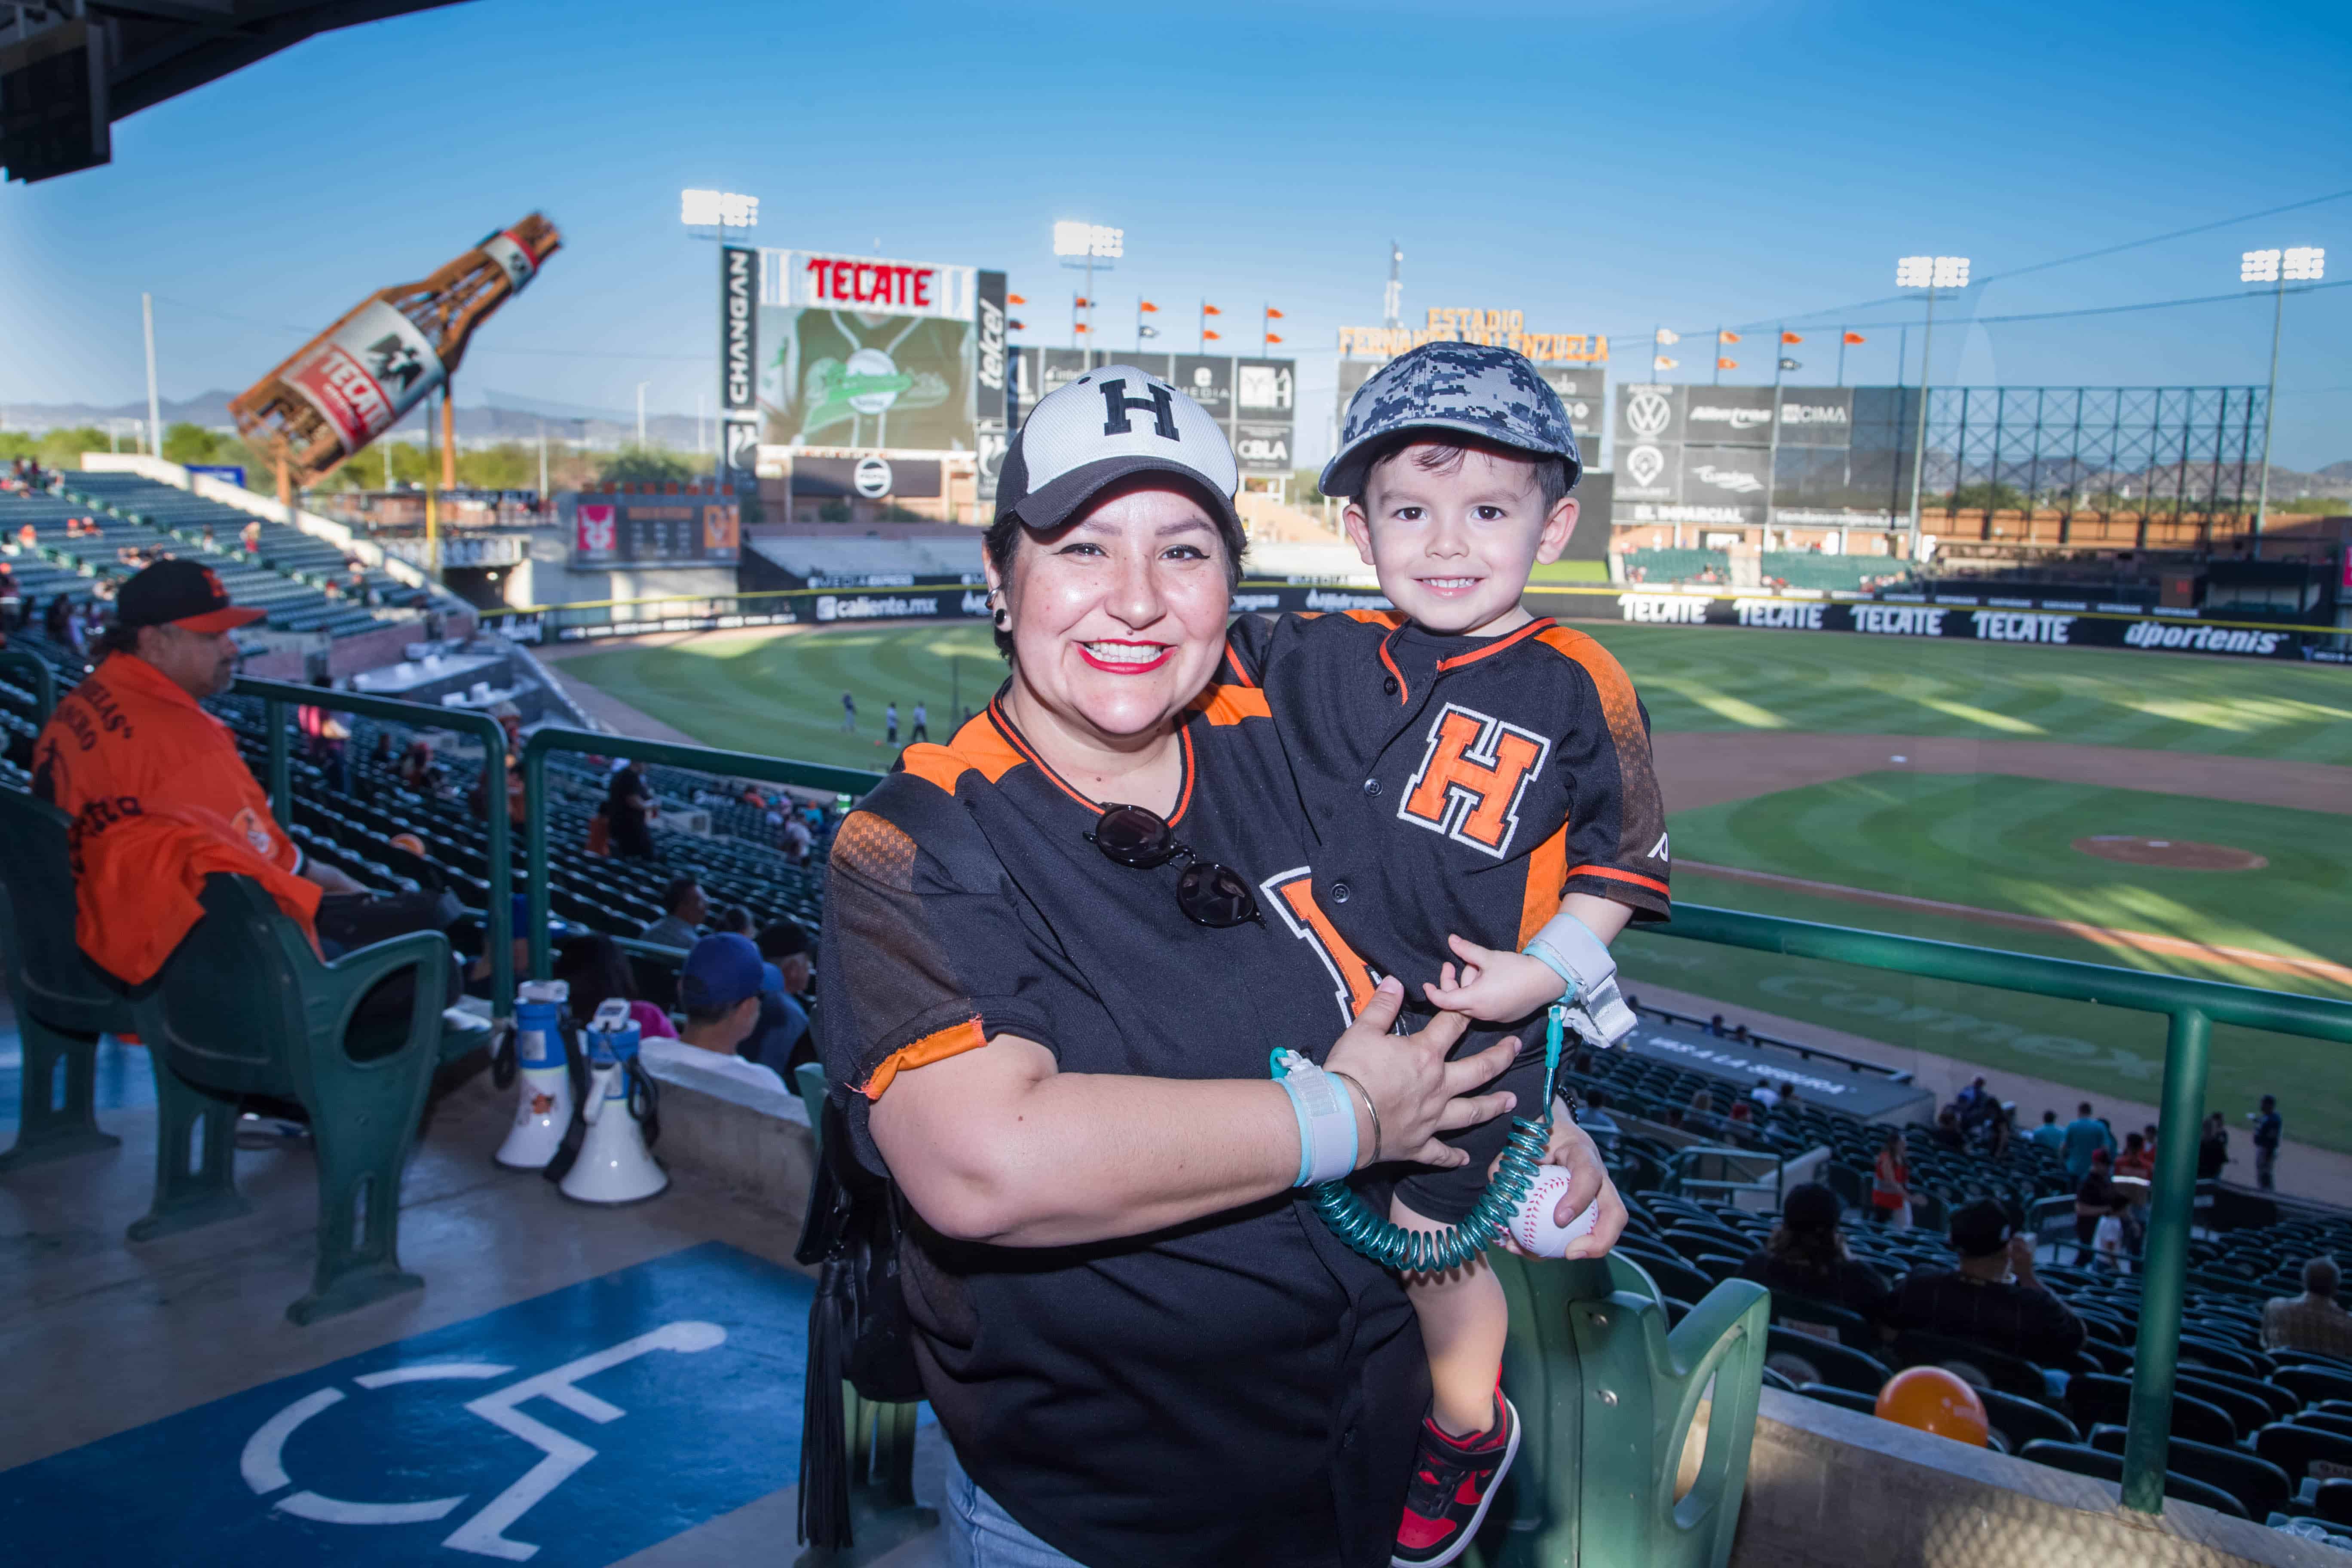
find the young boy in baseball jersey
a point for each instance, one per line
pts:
(1479, 781)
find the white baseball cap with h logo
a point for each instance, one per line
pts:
(1112, 423)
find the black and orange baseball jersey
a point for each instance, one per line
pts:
(1458, 784)
(1243, 1389)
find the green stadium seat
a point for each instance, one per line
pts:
(2023, 1421)
(1844, 1398)
(244, 1007)
(2092, 1400)
(2311, 1383)
(64, 1003)
(2298, 1448)
(1805, 1358)
(1593, 1332)
(1992, 1368)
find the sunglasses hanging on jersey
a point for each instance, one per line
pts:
(1209, 894)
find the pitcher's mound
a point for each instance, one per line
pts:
(2175, 854)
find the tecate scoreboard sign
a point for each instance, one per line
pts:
(860, 352)
(376, 367)
(868, 283)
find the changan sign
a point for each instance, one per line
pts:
(739, 272)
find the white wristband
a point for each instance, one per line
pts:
(1596, 1009)
(1327, 1122)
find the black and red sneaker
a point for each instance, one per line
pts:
(1453, 1480)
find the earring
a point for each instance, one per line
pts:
(1003, 619)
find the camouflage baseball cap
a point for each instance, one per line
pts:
(1480, 390)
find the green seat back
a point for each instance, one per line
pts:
(48, 974)
(1609, 1396)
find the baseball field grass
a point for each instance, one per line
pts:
(1875, 849)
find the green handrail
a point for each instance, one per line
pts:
(43, 683)
(2193, 1006)
(277, 695)
(702, 758)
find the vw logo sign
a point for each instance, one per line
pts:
(871, 478)
(1647, 414)
(1645, 464)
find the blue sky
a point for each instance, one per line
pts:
(1600, 166)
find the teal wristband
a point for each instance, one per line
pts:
(1541, 951)
(1325, 1153)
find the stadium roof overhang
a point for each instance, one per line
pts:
(69, 68)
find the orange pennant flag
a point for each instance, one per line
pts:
(1211, 311)
(1147, 305)
(1082, 327)
(1719, 364)
(1728, 337)
(1855, 338)
(1273, 337)
(1212, 337)
(1015, 300)
(1791, 338)
(1273, 314)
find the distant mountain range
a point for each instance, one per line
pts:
(507, 419)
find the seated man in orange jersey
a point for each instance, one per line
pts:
(131, 745)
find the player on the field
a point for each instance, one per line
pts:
(1480, 781)
(848, 711)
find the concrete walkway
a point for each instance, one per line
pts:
(2303, 1170)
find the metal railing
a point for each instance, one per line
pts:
(278, 696)
(701, 758)
(2193, 1007)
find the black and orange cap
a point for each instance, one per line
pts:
(178, 593)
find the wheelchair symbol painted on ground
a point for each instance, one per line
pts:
(484, 1532)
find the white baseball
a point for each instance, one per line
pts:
(1532, 1227)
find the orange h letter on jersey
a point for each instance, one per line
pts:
(1471, 779)
(1292, 893)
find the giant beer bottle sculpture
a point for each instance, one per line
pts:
(352, 381)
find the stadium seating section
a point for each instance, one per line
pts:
(288, 577)
(1678, 565)
(2253, 1431)
(1803, 569)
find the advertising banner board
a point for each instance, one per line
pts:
(989, 349)
(612, 528)
(739, 345)
(867, 477)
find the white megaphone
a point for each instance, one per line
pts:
(615, 1164)
(543, 1097)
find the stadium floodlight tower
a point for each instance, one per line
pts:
(1089, 246)
(712, 214)
(1931, 273)
(2297, 264)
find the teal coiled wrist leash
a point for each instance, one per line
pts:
(1390, 1244)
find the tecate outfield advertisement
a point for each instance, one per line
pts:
(857, 351)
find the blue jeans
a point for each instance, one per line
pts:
(979, 1534)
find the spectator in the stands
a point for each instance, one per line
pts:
(1968, 1096)
(1788, 1093)
(1742, 1116)
(1993, 1299)
(1890, 1183)
(1947, 1128)
(1715, 1026)
(2085, 1136)
(782, 1038)
(250, 537)
(2213, 1148)
(2095, 1198)
(2312, 1321)
(1764, 1094)
(684, 907)
(734, 918)
(796, 839)
(1807, 1256)
(418, 772)
(718, 990)
(629, 812)
(2050, 1135)
(596, 970)
(326, 734)
(477, 798)
(2136, 1159)
(2269, 1131)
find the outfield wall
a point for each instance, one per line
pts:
(2048, 622)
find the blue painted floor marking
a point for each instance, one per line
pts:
(571, 1429)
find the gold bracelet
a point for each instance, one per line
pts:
(1370, 1110)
